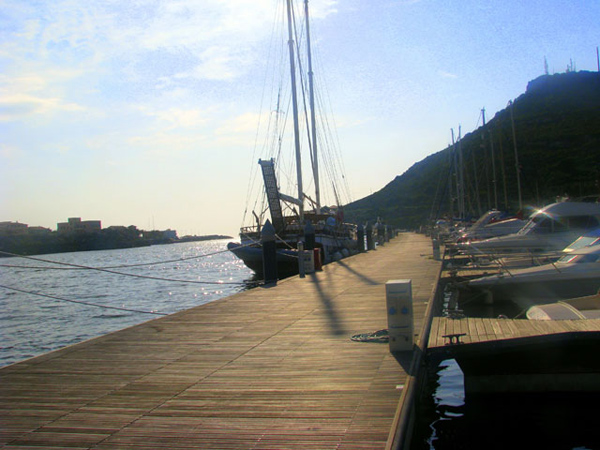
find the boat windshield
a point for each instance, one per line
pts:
(567, 259)
(544, 223)
(529, 225)
(584, 241)
(488, 217)
(539, 224)
(580, 259)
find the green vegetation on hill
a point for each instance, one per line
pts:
(557, 130)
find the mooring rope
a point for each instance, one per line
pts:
(114, 272)
(122, 266)
(81, 302)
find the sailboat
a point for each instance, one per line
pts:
(301, 217)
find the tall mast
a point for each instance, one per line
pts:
(493, 160)
(457, 172)
(518, 169)
(295, 108)
(461, 168)
(460, 177)
(312, 113)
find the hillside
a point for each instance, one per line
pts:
(557, 130)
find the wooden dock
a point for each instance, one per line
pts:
(519, 355)
(476, 329)
(269, 368)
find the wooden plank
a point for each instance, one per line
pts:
(464, 326)
(450, 326)
(474, 335)
(481, 331)
(497, 327)
(434, 333)
(489, 329)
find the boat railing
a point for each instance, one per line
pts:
(250, 230)
(297, 230)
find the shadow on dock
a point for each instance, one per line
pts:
(359, 275)
(336, 327)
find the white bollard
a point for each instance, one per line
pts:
(308, 257)
(400, 315)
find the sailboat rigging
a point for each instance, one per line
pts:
(332, 237)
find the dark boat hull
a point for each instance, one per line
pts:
(252, 256)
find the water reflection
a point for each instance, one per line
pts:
(192, 274)
(448, 420)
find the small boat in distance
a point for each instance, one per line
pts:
(298, 217)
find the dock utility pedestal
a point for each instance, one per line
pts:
(400, 315)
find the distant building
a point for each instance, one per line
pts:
(76, 225)
(39, 230)
(13, 228)
(170, 234)
(158, 236)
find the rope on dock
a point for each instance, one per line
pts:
(82, 302)
(376, 336)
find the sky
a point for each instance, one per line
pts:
(146, 112)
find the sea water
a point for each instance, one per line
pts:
(58, 300)
(448, 419)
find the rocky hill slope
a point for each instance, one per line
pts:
(557, 139)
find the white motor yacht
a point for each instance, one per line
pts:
(549, 229)
(492, 224)
(576, 274)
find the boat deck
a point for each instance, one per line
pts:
(272, 367)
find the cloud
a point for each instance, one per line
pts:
(34, 92)
(217, 38)
(17, 106)
(167, 145)
(178, 118)
(319, 9)
(216, 63)
(243, 124)
(9, 152)
(69, 56)
(445, 74)
(202, 39)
